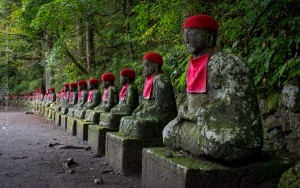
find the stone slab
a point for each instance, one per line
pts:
(46, 111)
(63, 121)
(57, 118)
(97, 138)
(53, 116)
(181, 171)
(49, 117)
(82, 127)
(71, 125)
(124, 154)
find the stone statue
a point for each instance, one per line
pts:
(128, 101)
(65, 102)
(109, 99)
(220, 117)
(92, 101)
(158, 106)
(73, 98)
(51, 98)
(82, 97)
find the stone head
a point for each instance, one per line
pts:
(82, 85)
(200, 34)
(108, 79)
(66, 87)
(127, 76)
(93, 83)
(73, 86)
(152, 63)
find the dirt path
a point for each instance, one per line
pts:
(26, 160)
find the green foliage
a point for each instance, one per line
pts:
(37, 34)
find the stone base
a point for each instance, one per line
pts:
(97, 137)
(50, 114)
(180, 171)
(124, 154)
(82, 127)
(57, 118)
(63, 121)
(53, 116)
(42, 109)
(46, 111)
(71, 126)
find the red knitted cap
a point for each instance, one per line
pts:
(108, 77)
(82, 83)
(93, 81)
(154, 58)
(51, 89)
(66, 85)
(127, 72)
(201, 22)
(73, 85)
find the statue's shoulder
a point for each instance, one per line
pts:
(112, 89)
(228, 61)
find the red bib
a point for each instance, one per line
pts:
(122, 93)
(71, 95)
(80, 95)
(65, 95)
(90, 96)
(196, 78)
(148, 87)
(105, 93)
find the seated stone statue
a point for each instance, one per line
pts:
(128, 101)
(73, 98)
(92, 101)
(109, 99)
(82, 97)
(51, 98)
(158, 106)
(220, 118)
(63, 99)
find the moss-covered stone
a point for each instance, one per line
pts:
(223, 123)
(290, 178)
(183, 170)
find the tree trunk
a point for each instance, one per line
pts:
(48, 71)
(90, 53)
(127, 5)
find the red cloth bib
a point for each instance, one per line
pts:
(122, 93)
(105, 93)
(196, 78)
(90, 96)
(148, 87)
(66, 95)
(80, 95)
(71, 95)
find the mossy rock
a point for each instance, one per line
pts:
(290, 178)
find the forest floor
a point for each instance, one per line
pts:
(30, 156)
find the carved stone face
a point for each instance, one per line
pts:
(66, 89)
(91, 86)
(195, 40)
(123, 80)
(149, 68)
(106, 84)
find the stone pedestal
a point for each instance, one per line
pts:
(57, 118)
(97, 137)
(124, 154)
(46, 111)
(49, 116)
(42, 109)
(63, 120)
(181, 171)
(82, 127)
(53, 116)
(71, 125)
